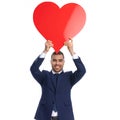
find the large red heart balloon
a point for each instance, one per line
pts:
(59, 24)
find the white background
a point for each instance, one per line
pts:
(96, 96)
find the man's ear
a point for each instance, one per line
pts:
(64, 60)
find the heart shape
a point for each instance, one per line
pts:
(59, 24)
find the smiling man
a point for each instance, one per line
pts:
(55, 102)
(57, 61)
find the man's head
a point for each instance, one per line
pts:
(57, 61)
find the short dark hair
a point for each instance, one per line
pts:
(57, 53)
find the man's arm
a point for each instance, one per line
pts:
(79, 73)
(69, 45)
(37, 74)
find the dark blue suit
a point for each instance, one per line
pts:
(62, 93)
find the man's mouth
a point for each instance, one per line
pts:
(57, 66)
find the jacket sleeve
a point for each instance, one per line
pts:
(79, 73)
(37, 74)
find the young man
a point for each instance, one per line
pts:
(55, 103)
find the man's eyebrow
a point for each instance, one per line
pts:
(53, 59)
(61, 59)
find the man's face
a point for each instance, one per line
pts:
(57, 62)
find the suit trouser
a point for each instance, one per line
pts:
(52, 118)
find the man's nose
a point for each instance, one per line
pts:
(57, 62)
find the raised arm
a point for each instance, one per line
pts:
(37, 74)
(79, 73)
(69, 45)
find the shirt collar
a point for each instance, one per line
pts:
(56, 72)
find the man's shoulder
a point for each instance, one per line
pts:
(68, 72)
(46, 71)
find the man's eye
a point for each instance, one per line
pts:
(54, 60)
(60, 60)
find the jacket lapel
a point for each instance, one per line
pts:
(52, 83)
(59, 79)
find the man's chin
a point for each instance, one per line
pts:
(56, 70)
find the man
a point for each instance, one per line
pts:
(55, 103)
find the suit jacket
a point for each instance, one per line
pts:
(62, 94)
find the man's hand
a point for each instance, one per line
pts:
(69, 45)
(48, 45)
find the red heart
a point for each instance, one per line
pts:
(59, 24)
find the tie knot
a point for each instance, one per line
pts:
(56, 75)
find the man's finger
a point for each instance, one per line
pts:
(71, 39)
